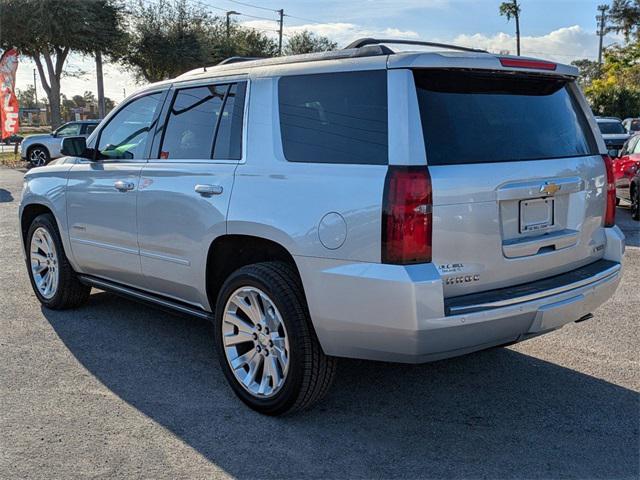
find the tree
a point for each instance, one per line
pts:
(589, 71)
(27, 97)
(617, 90)
(54, 28)
(624, 17)
(173, 36)
(511, 9)
(308, 42)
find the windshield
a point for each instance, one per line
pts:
(611, 127)
(480, 117)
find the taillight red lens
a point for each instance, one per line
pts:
(406, 216)
(610, 212)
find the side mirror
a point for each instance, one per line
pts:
(74, 147)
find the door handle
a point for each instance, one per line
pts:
(208, 190)
(123, 186)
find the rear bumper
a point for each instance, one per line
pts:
(398, 313)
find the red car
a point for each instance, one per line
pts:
(626, 167)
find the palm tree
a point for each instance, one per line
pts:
(625, 17)
(511, 9)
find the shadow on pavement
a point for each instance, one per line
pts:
(5, 196)
(630, 227)
(495, 414)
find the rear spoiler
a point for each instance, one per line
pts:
(480, 61)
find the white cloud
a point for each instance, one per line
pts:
(343, 33)
(562, 45)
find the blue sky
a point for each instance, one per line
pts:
(561, 30)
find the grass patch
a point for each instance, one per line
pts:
(11, 160)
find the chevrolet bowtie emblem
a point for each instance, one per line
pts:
(550, 188)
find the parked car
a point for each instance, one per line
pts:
(39, 149)
(359, 203)
(613, 133)
(631, 125)
(634, 195)
(14, 138)
(626, 168)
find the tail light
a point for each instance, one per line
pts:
(407, 216)
(610, 212)
(525, 63)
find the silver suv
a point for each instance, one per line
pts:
(41, 148)
(360, 203)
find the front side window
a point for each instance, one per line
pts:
(90, 129)
(334, 117)
(68, 130)
(127, 133)
(205, 122)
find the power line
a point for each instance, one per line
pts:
(303, 18)
(253, 6)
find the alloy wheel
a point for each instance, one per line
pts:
(38, 157)
(44, 263)
(255, 342)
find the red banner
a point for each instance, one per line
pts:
(9, 113)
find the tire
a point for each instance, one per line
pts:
(635, 203)
(38, 156)
(309, 372)
(66, 290)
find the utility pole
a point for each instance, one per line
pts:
(101, 104)
(602, 28)
(229, 13)
(35, 87)
(517, 15)
(281, 13)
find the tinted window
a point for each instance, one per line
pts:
(634, 125)
(90, 128)
(126, 134)
(229, 137)
(475, 117)
(334, 117)
(611, 127)
(192, 121)
(69, 130)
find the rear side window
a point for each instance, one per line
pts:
(205, 122)
(476, 117)
(334, 117)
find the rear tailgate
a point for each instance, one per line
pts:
(519, 186)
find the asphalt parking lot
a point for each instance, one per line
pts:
(117, 389)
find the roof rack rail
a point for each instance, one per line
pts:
(361, 42)
(229, 60)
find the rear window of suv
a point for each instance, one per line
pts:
(334, 117)
(608, 127)
(482, 117)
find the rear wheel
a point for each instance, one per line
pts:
(38, 156)
(635, 203)
(267, 348)
(52, 278)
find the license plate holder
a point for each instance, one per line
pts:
(536, 215)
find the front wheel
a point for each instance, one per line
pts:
(38, 156)
(267, 348)
(52, 277)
